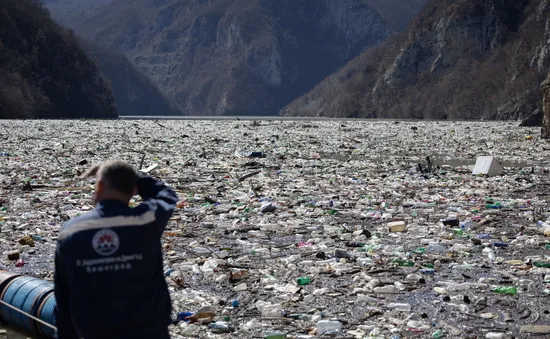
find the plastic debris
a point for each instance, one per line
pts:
(13, 255)
(398, 226)
(535, 329)
(318, 228)
(303, 281)
(274, 335)
(26, 240)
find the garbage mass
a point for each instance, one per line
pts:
(305, 229)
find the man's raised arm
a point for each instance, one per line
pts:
(159, 197)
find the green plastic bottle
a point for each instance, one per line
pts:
(303, 281)
(274, 335)
(438, 334)
(504, 290)
(420, 250)
(541, 264)
(400, 262)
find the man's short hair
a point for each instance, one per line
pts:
(118, 175)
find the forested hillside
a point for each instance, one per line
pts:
(133, 91)
(465, 59)
(43, 71)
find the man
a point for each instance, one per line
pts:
(109, 281)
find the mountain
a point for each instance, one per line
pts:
(133, 91)
(459, 59)
(43, 71)
(215, 57)
(397, 13)
(71, 13)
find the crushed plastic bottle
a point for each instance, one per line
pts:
(220, 327)
(436, 248)
(325, 327)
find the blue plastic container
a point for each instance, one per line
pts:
(46, 312)
(5, 278)
(12, 294)
(182, 316)
(30, 302)
(32, 296)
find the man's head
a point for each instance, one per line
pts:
(115, 180)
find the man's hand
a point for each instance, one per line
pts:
(91, 172)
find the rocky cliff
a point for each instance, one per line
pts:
(72, 13)
(133, 91)
(462, 59)
(43, 71)
(216, 57)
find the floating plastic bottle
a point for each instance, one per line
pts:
(400, 306)
(303, 281)
(271, 310)
(400, 262)
(489, 253)
(544, 264)
(504, 290)
(328, 327)
(436, 248)
(220, 327)
(438, 334)
(299, 316)
(466, 225)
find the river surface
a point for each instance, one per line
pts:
(327, 179)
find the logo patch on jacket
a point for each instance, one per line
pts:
(105, 242)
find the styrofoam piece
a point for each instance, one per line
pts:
(151, 168)
(397, 226)
(490, 166)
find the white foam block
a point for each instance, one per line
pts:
(490, 166)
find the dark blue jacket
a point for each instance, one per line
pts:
(109, 280)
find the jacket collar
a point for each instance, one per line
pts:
(110, 203)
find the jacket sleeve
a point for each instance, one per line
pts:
(159, 197)
(65, 327)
